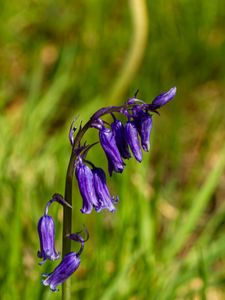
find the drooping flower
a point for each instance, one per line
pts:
(145, 131)
(131, 134)
(67, 267)
(85, 180)
(46, 231)
(143, 122)
(108, 143)
(106, 201)
(118, 131)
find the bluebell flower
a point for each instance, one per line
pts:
(106, 201)
(46, 231)
(67, 267)
(119, 133)
(143, 122)
(131, 134)
(85, 180)
(108, 143)
(145, 131)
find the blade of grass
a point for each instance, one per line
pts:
(199, 204)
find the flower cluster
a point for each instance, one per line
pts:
(119, 141)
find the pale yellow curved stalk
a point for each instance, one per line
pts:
(136, 50)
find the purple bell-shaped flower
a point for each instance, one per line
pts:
(46, 231)
(143, 122)
(131, 134)
(108, 143)
(119, 133)
(85, 180)
(106, 201)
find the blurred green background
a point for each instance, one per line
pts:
(63, 58)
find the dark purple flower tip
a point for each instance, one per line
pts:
(85, 180)
(46, 231)
(163, 98)
(64, 270)
(118, 131)
(131, 134)
(108, 143)
(102, 192)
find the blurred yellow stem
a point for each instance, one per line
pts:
(136, 52)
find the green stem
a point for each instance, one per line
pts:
(67, 212)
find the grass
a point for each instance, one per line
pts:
(58, 59)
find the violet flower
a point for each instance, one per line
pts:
(131, 134)
(108, 143)
(46, 231)
(85, 180)
(119, 133)
(102, 192)
(143, 122)
(67, 267)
